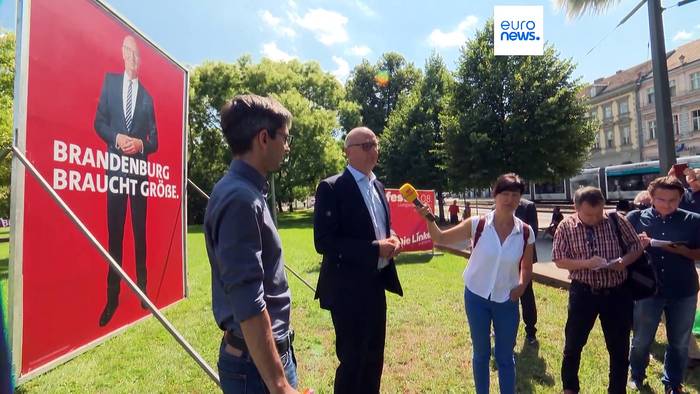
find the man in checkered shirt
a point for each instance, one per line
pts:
(587, 245)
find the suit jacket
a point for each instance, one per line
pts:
(527, 212)
(344, 235)
(110, 120)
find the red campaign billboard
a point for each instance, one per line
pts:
(405, 221)
(101, 115)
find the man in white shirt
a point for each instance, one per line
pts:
(352, 230)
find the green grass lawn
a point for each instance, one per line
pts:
(427, 350)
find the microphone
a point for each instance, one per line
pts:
(409, 194)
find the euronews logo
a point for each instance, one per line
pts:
(518, 30)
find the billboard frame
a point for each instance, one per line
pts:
(17, 187)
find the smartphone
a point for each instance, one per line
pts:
(678, 170)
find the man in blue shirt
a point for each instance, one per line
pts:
(251, 300)
(672, 238)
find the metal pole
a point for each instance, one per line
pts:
(271, 210)
(114, 266)
(662, 95)
(197, 188)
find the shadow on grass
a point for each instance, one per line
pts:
(532, 369)
(195, 229)
(285, 220)
(303, 219)
(692, 376)
(413, 258)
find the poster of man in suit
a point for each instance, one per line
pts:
(102, 112)
(126, 123)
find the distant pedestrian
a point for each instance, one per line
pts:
(454, 212)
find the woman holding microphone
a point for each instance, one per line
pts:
(499, 270)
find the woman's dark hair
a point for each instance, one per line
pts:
(510, 182)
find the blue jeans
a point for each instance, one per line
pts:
(680, 316)
(505, 317)
(239, 375)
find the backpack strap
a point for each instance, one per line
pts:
(479, 230)
(526, 237)
(612, 217)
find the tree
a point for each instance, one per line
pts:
(314, 153)
(413, 143)
(7, 75)
(314, 97)
(514, 113)
(211, 84)
(377, 89)
(578, 7)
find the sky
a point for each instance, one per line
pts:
(339, 34)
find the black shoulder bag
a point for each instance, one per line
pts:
(641, 276)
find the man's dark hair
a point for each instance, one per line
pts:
(666, 183)
(510, 182)
(244, 116)
(588, 194)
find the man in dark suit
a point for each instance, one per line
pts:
(125, 120)
(527, 212)
(352, 230)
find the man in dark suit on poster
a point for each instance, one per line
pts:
(125, 120)
(352, 230)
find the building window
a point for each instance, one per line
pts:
(607, 111)
(672, 87)
(596, 141)
(623, 107)
(695, 81)
(651, 127)
(626, 137)
(676, 125)
(594, 115)
(650, 96)
(609, 139)
(695, 119)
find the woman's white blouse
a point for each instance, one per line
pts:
(494, 269)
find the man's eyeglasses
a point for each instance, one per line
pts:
(366, 146)
(286, 138)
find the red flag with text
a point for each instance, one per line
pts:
(407, 223)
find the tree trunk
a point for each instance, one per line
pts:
(279, 206)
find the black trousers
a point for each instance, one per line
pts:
(614, 307)
(116, 216)
(360, 330)
(527, 303)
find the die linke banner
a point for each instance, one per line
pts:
(104, 124)
(407, 223)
